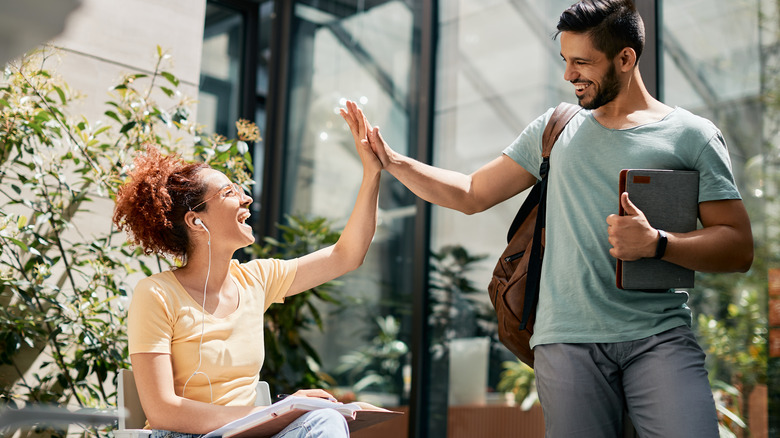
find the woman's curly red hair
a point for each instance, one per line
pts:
(151, 205)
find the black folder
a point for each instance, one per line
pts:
(669, 200)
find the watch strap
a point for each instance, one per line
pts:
(660, 249)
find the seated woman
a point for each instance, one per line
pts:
(196, 332)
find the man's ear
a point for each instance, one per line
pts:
(626, 59)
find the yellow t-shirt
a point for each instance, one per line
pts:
(164, 318)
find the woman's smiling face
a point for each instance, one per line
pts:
(226, 210)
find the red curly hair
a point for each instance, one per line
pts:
(151, 205)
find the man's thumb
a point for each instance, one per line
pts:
(629, 209)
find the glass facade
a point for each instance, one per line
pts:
(495, 67)
(498, 69)
(338, 54)
(220, 70)
(715, 65)
(234, 74)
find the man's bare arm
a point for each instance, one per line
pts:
(724, 244)
(491, 184)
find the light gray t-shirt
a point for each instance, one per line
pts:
(578, 300)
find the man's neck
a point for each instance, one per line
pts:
(633, 106)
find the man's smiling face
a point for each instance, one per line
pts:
(593, 75)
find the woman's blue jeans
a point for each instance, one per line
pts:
(321, 423)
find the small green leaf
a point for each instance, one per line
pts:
(127, 126)
(145, 269)
(19, 243)
(171, 78)
(112, 115)
(101, 130)
(61, 94)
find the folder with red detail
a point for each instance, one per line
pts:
(669, 200)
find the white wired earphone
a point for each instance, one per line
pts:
(202, 321)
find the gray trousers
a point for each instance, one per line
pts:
(660, 381)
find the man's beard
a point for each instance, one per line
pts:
(608, 91)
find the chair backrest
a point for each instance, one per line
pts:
(129, 400)
(263, 394)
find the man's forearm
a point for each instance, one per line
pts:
(442, 187)
(718, 248)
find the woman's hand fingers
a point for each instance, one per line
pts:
(314, 393)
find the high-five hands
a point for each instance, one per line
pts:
(358, 124)
(631, 235)
(377, 144)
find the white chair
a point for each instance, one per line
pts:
(263, 394)
(132, 424)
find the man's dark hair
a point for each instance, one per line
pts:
(611, 24)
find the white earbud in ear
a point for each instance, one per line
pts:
(200, 222)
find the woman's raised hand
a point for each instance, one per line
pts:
(358, 124)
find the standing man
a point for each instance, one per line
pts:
(600, 350)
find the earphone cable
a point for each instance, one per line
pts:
(202, 330)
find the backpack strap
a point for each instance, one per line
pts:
(560, 117)
(558, 120)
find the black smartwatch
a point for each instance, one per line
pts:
(660, 249)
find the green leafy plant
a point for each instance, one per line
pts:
(63, 268)
(458, 308)
(61, 323)
(729, 419)
(377, 366)
(519, 379)
(736, 347)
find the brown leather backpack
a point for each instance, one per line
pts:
(514, 289)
